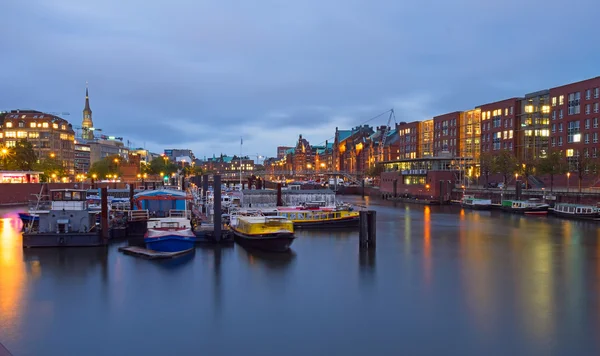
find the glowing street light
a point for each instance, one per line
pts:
(52, 155)
(568, 179)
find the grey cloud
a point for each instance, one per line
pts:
(240, 68)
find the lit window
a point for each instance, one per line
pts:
(10, 143)
(553, 101)
(32, 125)
(63, 127)
(23, 116)
(570, 152)
(21, 134)
(510, 134)
(546, 109)
(45, 125)
(55, 126)
(9, 124)
(561, 100)
(11, 134)
(33, 135)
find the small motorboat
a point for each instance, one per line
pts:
(268, 233)
(169, 235)
(469, 201)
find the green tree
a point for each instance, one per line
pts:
(21, 157)
(527, 169)
(160, 164)
(486, 165)
(50, 166)
(374, 171)
(107, 166)
(506, 164)
(552, 165)
(583, 166)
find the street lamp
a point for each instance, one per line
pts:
(568, 179)
(52, 155)
(53, 176)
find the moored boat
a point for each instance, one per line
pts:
(269, 233)
(321, 218)
(529, 207)
(576, 211)
(66, 223)
(169, 235)
(469, 201)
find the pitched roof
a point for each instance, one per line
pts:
(344, 134)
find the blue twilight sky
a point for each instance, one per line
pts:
(199, 74)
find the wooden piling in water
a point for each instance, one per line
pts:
(372, 226)
(104, 213)
(367, 235)
(204, 190)
(217, 206)
(279, 200)
(131, 194)
(363, 231)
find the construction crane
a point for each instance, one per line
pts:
(385, 132)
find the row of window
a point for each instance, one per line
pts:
(576, 96)
(497, 136)
(44, 125)
(486, 115)
(496, 146)
(554, 141)
(34, 134)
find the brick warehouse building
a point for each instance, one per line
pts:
(564, 118)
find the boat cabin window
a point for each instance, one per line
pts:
(170, 225)
(68, 195)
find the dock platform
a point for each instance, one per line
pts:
(150, 254)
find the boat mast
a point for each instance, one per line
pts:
(241, 144)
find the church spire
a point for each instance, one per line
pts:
(87, 99)
(87, 124)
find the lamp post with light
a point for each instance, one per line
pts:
(4, 153)
(568, 179)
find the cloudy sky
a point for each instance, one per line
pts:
(199, 74)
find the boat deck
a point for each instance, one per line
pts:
(150, 254)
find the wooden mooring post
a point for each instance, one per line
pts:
(217, 206)
(367, 235)
(104, 213)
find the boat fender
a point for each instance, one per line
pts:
(61, 240)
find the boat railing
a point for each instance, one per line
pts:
(137, 215)
(175, 213)
(38, 205)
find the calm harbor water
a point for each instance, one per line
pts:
(441, 281)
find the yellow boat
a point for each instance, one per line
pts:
(320, 218)
(270, 233)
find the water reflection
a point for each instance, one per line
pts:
(271, 260)
(176, 263)
(13, 277)
(427, 263)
